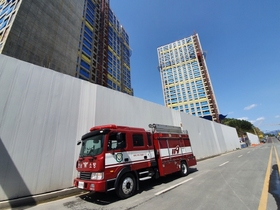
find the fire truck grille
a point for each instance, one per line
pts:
(85, 175)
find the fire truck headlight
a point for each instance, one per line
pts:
(97, 176)
(78, 175)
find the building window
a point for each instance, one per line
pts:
(84, 73)
(85, 65)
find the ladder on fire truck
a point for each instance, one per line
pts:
(159, 128)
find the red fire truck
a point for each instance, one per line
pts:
(117, 158)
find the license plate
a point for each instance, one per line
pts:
(81, 185)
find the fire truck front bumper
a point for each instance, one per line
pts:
(90, 185)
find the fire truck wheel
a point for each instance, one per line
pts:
(127, 186)
(184, 169)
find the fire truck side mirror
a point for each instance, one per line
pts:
(79, 142)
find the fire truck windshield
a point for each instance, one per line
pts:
(92, 146)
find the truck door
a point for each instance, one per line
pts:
(140, 153)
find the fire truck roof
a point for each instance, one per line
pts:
(113, 126)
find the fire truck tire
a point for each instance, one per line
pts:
(127, 186)
(184, 168)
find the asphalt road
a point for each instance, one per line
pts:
(242, 179)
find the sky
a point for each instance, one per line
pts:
(241, 39)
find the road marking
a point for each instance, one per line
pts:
(224, 163)
(172, 187)
(264, 196)
(240, 156)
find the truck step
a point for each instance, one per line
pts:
(143, 172)
(145, 178)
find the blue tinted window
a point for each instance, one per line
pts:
(88, 30)
(90, 4)
(204, 103)
(90, 14)
(205, 108)
(109, 82)
(85, 65)
(206, 112)
(4, 10)
(109, 70)
(88, 37)
(86, 50)
(89, 19)
(87, 43)
(3, 24)
(84, 73)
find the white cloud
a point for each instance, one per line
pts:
(242, 118)
(277, 116)
(250, 107)
(260, 119)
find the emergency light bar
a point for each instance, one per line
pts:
(113, 126)
(109, 126)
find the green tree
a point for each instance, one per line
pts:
(242, 126)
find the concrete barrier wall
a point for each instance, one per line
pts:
(254, 139)
(43, 113)
(38, 128)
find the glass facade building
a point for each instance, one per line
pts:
(82, 38)
(7, 14)
(104, 52)
(185, 80)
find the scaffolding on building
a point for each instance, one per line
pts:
(103, 44)
(206, 79)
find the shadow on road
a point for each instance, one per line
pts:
(111, 197)
(274, 185)
(11, 180)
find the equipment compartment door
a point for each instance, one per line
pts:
(169, 156)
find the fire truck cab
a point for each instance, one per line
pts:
(119, 157)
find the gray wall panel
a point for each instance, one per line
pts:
(201, 135)
(85, 119)
(118, 108)
(37, 127)
(43, 113)
(219, 137)
(231, 138)
(254, 139)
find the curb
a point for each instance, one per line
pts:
(38, 199)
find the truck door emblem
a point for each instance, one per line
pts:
(119, 157)
(176, 150)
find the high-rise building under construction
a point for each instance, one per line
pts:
(185, 79)
(81, 38)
